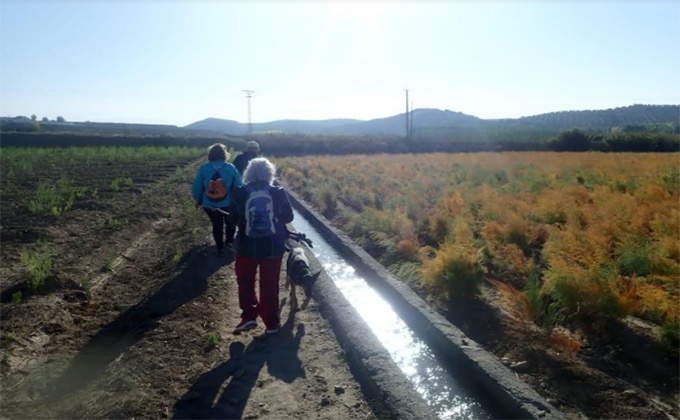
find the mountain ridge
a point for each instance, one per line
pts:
(427, 118)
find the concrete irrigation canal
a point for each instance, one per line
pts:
(406, 356)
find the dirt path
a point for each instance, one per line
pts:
(154, 359)
(150, 336)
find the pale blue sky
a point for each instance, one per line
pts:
(176, 62)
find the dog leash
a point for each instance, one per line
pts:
(300, 237)
(217, 210)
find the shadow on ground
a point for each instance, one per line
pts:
(117, 336)
(223, 392)
(476, 318)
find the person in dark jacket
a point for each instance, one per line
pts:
(216, 206)
(251, 152)
(255, 249)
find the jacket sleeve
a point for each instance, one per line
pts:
(238, 163)
(197, 188)
(238, 180)
(234, 213)
(285, 213)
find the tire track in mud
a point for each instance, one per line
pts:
(128, 255)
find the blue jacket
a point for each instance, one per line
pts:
(230, 177)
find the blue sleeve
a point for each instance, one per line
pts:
(238, 181)
(197, 188)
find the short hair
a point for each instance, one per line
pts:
(218, 152)
(252, 146)
(259, 169)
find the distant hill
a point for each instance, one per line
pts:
(291, 126)
(425, 122)
(396, 124)
(219, 125)
(629, 115)
(426, 119)
(25, 124)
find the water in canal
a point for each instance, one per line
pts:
(442, 392)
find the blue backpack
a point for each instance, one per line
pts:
(259, 213)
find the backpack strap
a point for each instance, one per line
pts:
(249, 188)
(216, 170)
(220, 174)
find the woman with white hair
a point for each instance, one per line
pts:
(261, 211)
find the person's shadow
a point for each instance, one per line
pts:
(239, 375)
(117, 336)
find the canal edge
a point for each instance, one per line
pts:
(476, 367)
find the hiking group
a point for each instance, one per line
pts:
(243, 195)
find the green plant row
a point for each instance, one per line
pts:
(49, 181)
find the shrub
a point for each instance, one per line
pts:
(329, 201)
(8, 338)
(656, 303)
(38, 267)
(670, 335)
(583, 297)
(458, 266)
(324, 199)
(55, 199)
(462, 275)
(532, 303)
(571, 140)
(108, 263)
(45, 199)
(634, 258)
(409, 272)
(408, 249)
(213, 339)
(16, 297)
(547, 313)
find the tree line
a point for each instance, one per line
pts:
(282, 145)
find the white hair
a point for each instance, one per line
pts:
(259, 169)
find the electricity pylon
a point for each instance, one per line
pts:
(249, 94)
(408, 124)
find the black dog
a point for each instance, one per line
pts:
(298, 273)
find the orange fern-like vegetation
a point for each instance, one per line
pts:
(601, 229)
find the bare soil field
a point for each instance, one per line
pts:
(134, 320)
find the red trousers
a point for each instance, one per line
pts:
(268, 306)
